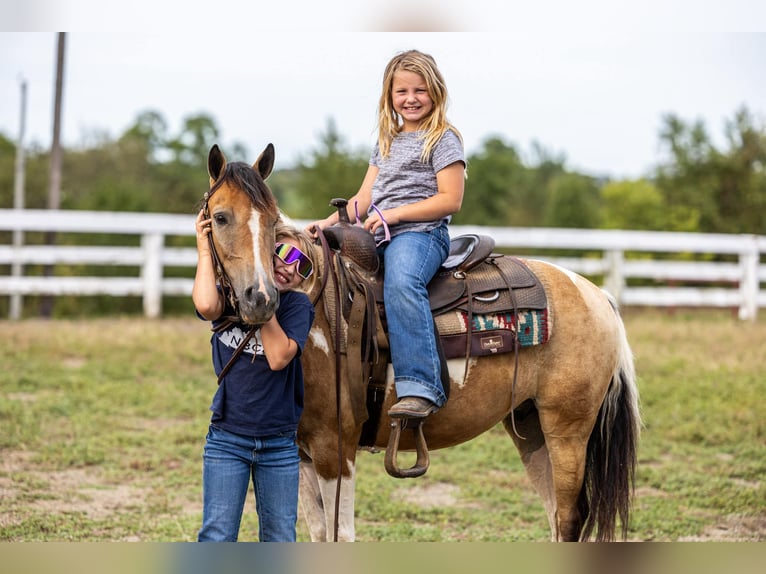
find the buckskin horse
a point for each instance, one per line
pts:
(565, 393)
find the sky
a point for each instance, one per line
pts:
(591, 89)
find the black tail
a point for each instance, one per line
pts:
(610, 466)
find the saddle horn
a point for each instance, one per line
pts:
(353, 241)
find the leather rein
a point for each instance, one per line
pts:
(328, 270)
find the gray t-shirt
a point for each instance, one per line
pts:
(404, 179)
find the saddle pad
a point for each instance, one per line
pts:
(494, 333)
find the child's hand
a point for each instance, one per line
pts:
(379, 219)
(202, 226)
(314, 227)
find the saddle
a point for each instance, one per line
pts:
(474, 282)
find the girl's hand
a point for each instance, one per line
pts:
(374, 221)
(202, 225)
(313, 228)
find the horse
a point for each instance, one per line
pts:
(570, 406)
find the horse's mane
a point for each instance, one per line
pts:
(246, 178)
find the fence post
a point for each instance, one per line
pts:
(151, 273)
(749, 284)
(16, 305)
(614, 282)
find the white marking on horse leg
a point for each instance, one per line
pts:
(320, 341)
(346, 532)
(261, 272)
(311, 502)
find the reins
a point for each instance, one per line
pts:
(329, 269)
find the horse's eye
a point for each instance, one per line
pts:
(220, 219)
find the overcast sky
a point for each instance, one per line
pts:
(595, 96)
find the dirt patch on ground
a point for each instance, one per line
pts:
(734, 528)
(432, 495)
(25, 487)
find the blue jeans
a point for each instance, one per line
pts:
(228, 463)
(410, 262)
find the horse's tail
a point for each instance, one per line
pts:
(610, 467)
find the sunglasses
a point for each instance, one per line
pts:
(289, 254)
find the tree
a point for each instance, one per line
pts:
(497, 190)
(725, 189)
(573, 201)
(198, 134)
(332, 170)
(149, 134)
(635, 204)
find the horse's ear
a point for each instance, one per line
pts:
(265, 162)
(216, 162)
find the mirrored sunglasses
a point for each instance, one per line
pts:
(289, 254)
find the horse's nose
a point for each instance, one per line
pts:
(257, 298)
(256, 306)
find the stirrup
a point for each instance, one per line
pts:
(392, 450)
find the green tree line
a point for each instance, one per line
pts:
(698, 186)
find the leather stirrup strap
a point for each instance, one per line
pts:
(516, 344)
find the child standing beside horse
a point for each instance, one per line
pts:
(259, 401)
(413, 185)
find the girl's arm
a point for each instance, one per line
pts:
(277, 346)
(450, 182)
(207, 299)
(363, 197)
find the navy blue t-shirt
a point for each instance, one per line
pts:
(253, 400)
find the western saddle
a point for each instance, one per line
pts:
(473, 280)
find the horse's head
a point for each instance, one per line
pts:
(244, 212)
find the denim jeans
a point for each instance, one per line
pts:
(229, 461)
(410, 262)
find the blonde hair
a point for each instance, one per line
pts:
(435, 124)
(285, 230)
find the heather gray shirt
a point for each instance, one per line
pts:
(404, 179)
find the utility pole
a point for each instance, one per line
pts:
(17, 269)
(54, 191)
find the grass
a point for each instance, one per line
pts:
(103, 424)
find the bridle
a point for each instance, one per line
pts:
(220, 273)
(222, 279)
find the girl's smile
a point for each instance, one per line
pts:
(286, 274)
(410, 99)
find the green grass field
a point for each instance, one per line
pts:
(103, 424)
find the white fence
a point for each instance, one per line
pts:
(736, 284)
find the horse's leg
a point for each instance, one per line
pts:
(311, 501)
(328, 488)
(555, 465)
(567, 458)
(534, 456)
(317, 499)
(567, 442)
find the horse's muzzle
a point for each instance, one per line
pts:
(256, 306)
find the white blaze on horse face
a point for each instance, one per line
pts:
(261, 271)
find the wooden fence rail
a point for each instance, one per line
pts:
(616, 256)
